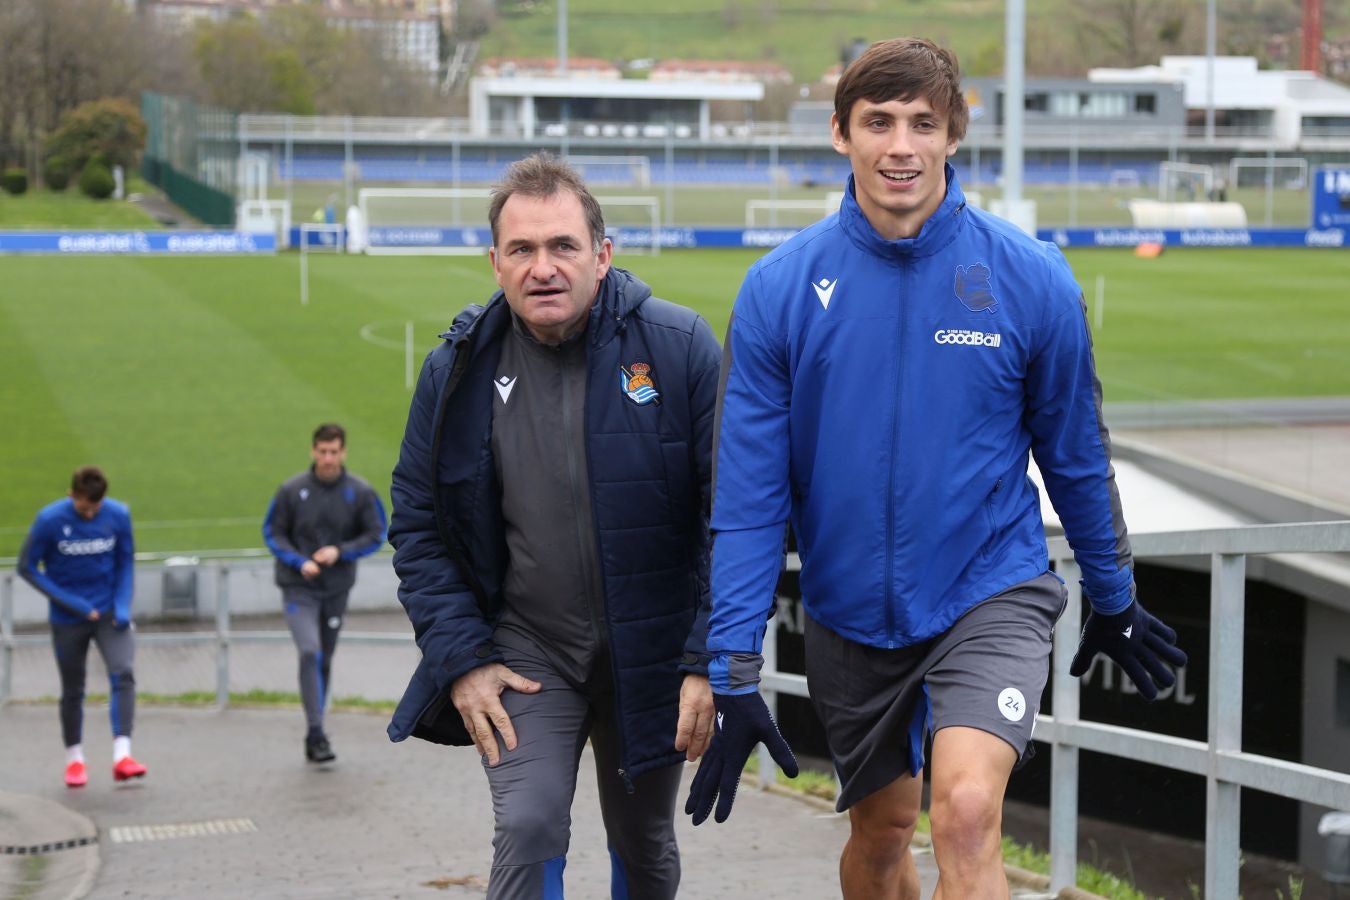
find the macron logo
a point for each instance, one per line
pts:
(719, 721)
(504, 386)
(825, 290)
(1127, 632)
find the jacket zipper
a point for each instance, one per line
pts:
(891, 641)
(620, 731)
(989, 514)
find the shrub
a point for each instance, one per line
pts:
(96, 181)
(14, 181)
(111, 128)
(56, 173)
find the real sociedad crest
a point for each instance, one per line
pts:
(637, 384)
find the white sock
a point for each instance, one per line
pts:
(74, 753)
(121, 748)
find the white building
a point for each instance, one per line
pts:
(553, 107)
(1293, 108)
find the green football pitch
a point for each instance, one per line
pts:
(196, 382)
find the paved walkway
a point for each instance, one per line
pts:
(230, 809)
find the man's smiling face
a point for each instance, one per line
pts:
(898, 152)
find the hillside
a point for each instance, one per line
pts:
(1064, 37)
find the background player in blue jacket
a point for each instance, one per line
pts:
(320, 522)
(891, 368)
(79, 553)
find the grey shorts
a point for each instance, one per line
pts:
(987, 671)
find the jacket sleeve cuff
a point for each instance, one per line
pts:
(735, 673)
(1112, 603)
(695, 663)
(482, 655)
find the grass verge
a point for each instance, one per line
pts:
(822, 785)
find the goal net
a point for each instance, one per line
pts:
(613, 171)
(266, 216)
(772, 213)
(425, 221)
(1282, 173)
(633, 223)
(1184, 182)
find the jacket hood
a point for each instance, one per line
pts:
(940, 230)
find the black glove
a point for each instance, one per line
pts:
(743, 720)
(121, 624)
(1138, 642)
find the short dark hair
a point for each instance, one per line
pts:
(329, 431)
(89, 483)
(903, 69)
(543, 175)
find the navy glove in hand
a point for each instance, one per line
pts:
(121, 624)
(743, 720)
(1138, 642)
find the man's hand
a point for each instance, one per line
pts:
(1138, 642)
(694, 730)
(742, 721)
(121, 624)
(93, 615)
(310, 570)
(326, 556)
(477, 696)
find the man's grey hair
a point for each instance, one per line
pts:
(543, 175)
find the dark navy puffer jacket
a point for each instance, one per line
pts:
(650, 467)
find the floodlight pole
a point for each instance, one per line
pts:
(1014, 68)
(562, 38)
(1211, 47)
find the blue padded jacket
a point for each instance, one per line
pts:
(650, 472)
(883, 396)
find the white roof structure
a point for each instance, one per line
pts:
(1288, 97)
(497, 101)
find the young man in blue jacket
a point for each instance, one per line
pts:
(550, 526)
(889, 371)
(80, 554)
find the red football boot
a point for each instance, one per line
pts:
(127, 768)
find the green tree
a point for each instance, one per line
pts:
(111, 128)
(246, 69)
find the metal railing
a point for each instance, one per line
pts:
(276, 128)
(1221, 760)
(223, 636)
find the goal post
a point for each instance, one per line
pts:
(613, 171)
(638, 232)
(425, 221)
(1259, 171)
(1178, 182)
(266, 216)
(798, 212)
(317, 237)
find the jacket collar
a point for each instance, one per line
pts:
(939, 231)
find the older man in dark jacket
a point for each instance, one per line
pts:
(550, 519)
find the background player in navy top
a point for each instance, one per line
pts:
(79, 553)
(319, 524)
